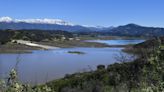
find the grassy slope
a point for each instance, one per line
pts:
(16, 48)
(137, 76)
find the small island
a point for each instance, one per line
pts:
(76, 52)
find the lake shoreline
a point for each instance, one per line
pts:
(11, 47)
(16, 50)
(22, 48)
(82, 59)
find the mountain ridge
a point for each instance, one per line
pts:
(44, 24)
(57, 24)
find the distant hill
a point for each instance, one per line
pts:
(38, 26)
(135, 30)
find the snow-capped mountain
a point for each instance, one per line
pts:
(44, 24)
(37, 21)
(6, 19)
(40, 24)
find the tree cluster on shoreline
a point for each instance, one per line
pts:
(33, 35)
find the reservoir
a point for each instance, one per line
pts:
(41, 66)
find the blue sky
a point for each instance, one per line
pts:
(88, 12)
